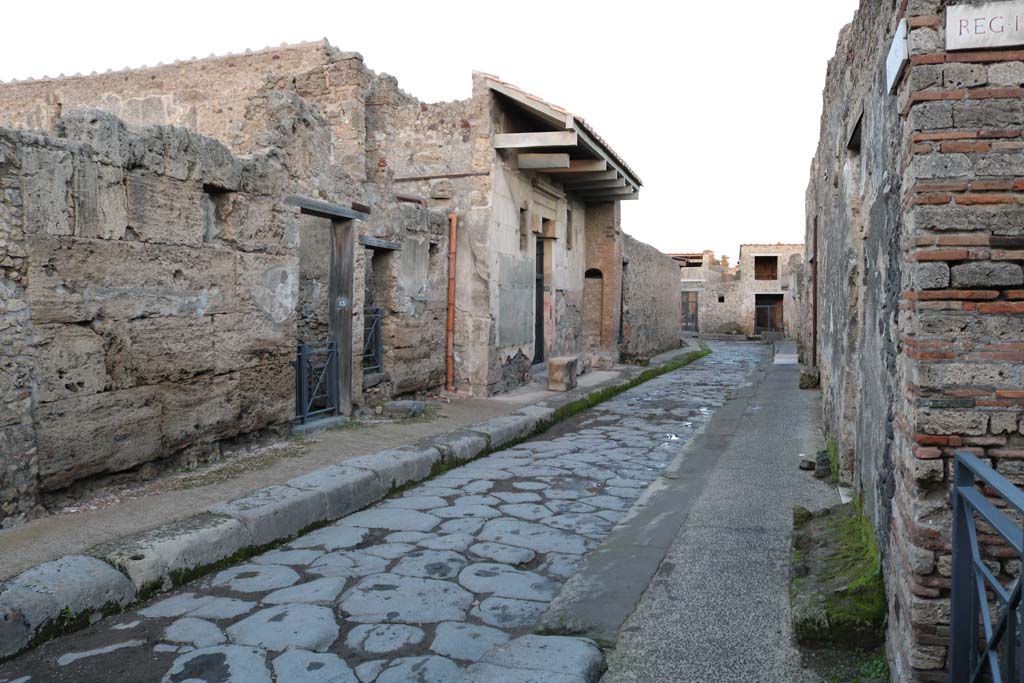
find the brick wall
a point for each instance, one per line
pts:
(918, 266)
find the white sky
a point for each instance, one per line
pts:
(716, 105)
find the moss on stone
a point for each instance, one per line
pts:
(837, 586)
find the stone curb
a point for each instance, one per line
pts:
(61, 595)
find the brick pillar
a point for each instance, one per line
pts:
(604, 253)
(961, 319)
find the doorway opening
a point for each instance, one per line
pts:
(768, 313)
(690, 308)
(538, 331)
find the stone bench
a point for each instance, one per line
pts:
(562, 373)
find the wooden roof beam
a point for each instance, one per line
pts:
(578, 166)
(543, 161)
(558, 138)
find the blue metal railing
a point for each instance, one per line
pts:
(979, 598)
(316, 380)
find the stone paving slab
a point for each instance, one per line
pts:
(364, 587)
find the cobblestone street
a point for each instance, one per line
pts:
(444, 582)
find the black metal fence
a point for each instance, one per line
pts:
(316, 380)
(373, 347)
(985, 627)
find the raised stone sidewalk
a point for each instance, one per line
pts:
(74, 590)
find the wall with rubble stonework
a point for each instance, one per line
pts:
(162, 315)
(651, 310)
(918, 264)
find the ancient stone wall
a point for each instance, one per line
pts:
(914, 199)
(162, 310)
(651, 310)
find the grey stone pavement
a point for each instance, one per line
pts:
(718, 608)
(447, 581)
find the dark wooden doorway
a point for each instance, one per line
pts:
(768, 313)
(538, 332)
(691, 306)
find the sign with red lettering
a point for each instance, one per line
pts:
(994, 24)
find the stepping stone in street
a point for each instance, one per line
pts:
(509, 614)
(466, 642)
(192, 631)
(431, 564)
(223, 664)
(536, 537)
(318, 590)
(404, 599)
(528, 511)
(256, 578)
(299, 666)
(286, 627)
(421, 670)
(457, 542)
(350, 563)
(506, 582)
(393, 520)
(506, 554)
(381, 639)
(331, 538)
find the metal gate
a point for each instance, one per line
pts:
(373, 343)
(979, 598)
(316, 380)
(690, 311)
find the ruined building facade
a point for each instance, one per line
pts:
(913, 294)
(170, 235)
(755, 296)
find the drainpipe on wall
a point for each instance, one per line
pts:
(453, 228)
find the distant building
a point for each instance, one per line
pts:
(756, 296)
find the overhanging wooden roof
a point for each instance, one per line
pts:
(566, 148)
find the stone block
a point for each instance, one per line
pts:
(202, 410)
(562, 373)
(932, 421)
(73, 280)
(104, 133)
(246, 340)
(22, 613)
(245, 221)
(268, 284)
(933, 275)
(88, 435)
(987, 274)
(1002, 221)
(959, 76)
(988, 113)
(931, 116)
(404, 409)
(46, 191)
(551, 656)
(163, 210)
(266, 396)
(969, 374)
(930, 166)
(169, 348)
(399, 466)
(345, 489)
(71, 362)
(1006, 74)
(461, 446)
(503, 431)
(152, 559)
(1003, 423)
(78, 583)
(100, 200)
(275, 513)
